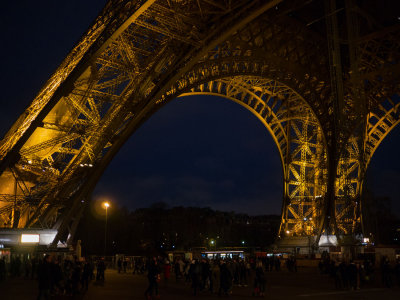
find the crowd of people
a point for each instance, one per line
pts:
(56, 275)
(70, 276)
(218, 276)
(212, 276)
(355, 275)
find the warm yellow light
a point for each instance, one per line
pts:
(287, 231)
(29, 238)
(106, 204)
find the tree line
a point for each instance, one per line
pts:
(159, 228)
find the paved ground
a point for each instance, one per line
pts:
(306, 284)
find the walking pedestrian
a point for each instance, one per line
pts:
(101, 267)
(167, 271)
(352, 275)
(215, 278)
(86, 274)
(119, 264)
(45, 278)
(226, 280)
(2, 269)
(259, 280)
(195, 275)
(125, 264)
(153, 277)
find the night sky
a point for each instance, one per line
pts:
(195, 151)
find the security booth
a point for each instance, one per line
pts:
(24, 248)
(23, 243)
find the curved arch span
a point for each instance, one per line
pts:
(296, 133)
(353, 163)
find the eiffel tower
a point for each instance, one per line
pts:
(322, 76)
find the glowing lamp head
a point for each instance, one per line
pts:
(106, 205)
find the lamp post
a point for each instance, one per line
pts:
(106, 206)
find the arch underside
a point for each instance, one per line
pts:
(298, 137)
(137, 56)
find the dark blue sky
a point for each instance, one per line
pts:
(199, 151)
(196, 151)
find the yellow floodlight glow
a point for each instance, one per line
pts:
(106, 204)
(29, 238)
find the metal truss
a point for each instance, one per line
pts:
(372, 113)
(139, 55)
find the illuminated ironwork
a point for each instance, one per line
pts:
(326, 113)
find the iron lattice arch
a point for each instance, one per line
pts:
(298, 137)
(265, 55)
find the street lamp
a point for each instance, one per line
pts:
(106, 206)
